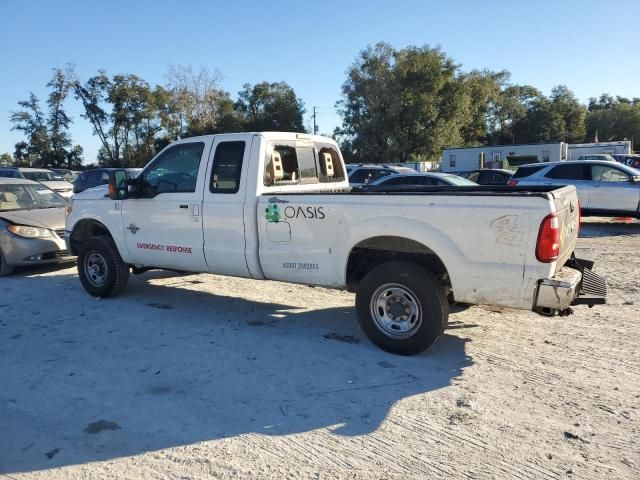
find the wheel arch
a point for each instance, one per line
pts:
(86, 228)
(371, 252)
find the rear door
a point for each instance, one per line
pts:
(612, 189)
(223, 207)
(576, 174)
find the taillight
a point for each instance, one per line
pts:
(512, 183)
(579, 216)
(548, 246)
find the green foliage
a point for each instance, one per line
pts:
(613, 118)
(134, 121)
(269, 106)
(48, 141)
(6, 159)
(409, 104)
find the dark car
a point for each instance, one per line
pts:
(10, 173)
(97, 177)
(488, 176)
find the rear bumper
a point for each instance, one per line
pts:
(559, 291)
(573, 284)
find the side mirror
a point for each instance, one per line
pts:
(118, 185)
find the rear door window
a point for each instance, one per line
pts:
(570, 171)
(526, 171)
(227, 167)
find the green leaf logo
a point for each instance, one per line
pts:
(272, 213)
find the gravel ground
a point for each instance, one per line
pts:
(202, 376)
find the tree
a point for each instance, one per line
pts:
(524, 115)
(30, 120)
(269, 106)
(6, 160)
(508, 111)
(124, 112)
(613, 118)
(197, 104)
(402, 105)
(48, 140)
(484, 89)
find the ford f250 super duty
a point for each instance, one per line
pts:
(278, 206)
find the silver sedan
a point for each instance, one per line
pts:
(604, 188)
(31, 224)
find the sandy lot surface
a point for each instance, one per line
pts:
(202, 376)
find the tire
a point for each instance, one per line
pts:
(401, 307)
(5, 269)
(101, 269)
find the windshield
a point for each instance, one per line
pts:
(42, 176)
(28, 197)
(459, 181)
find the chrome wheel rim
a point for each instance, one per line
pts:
(395, 310)
(95, 267)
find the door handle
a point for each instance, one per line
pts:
(184, 206)
(195, 212)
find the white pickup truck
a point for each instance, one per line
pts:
(278, 206)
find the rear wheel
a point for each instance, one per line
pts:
(401, 307)
(101, 269)
(5, 268)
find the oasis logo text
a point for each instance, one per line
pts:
(304, 212)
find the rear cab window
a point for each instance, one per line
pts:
(301, 163)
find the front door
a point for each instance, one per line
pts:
(163, 224)
(612, 189)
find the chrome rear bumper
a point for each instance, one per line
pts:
(573, 284)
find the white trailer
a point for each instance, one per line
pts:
(576, 150)
(501, 156)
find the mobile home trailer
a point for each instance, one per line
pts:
(576, 150)
(501, 156)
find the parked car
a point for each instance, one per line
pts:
(31, 224)
(97, 177)
(432, 179)
(362, 174)
(68, 175)
(488, 176)
(8, 172)
(51, 179)
(277, 206)
(630, 159)
(604, 188)
(598, 156)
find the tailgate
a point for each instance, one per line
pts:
(565, 200)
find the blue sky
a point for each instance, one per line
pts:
(591, 46)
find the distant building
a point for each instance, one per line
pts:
(576, 150)
(511, 156)
(501, 156)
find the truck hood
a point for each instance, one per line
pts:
(57, 185)
(51, 218)
(94, 193)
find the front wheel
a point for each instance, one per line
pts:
(401, 307)
(101, 269)
(5, 268)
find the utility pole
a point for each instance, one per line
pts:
(315, 126)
